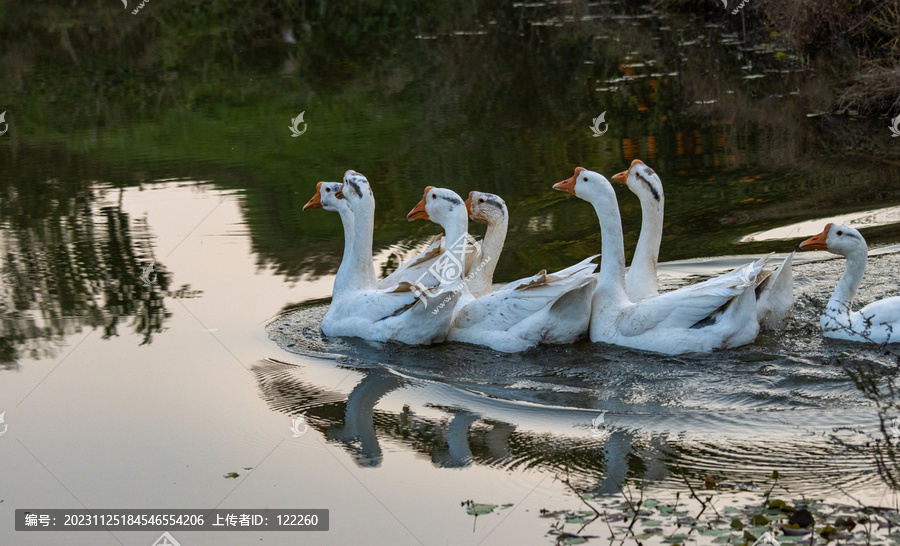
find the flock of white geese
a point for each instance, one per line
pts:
(446, 293)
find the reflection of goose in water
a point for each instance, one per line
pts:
(492, 445)
(358, 432)
(485, 431)
(458, 453)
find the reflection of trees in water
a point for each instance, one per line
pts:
(599, 462)
(66, 264)
(879, 384)
(498, 96)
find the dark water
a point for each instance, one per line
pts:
(163, 138)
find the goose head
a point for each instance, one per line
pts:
(441, 206)
(326, 197)
(486, 208)
(590, 186)
(643, 182)
(838, 239)
(357, 191)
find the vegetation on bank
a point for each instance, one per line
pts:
(865, 32)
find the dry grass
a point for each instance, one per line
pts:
(869, 28)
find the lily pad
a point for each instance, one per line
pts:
(802, 519)
(781, 505)
(715, 532)
(480, 509)
(231, 475)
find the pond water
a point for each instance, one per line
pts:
(120, 393)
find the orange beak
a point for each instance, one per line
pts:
(469, 204)
(419, 210)
(623, 176)
(340, 193)
(817, 242)
(316, 201)
(569, 184)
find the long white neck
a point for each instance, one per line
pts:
(641, 279)
(363, 231)
(851, 279)
(612, 261)
(344, 281)
(491, 247)
(455, 233)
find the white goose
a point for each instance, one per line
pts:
(878, 322)
(326, 197)
(358, 308)
(774, 287)
(447, 209)
(545, 308)
(718, 313)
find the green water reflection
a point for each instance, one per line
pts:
(497, 97)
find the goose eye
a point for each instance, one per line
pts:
(840, 232)
(585, 179)
(433, 196)
(481, 200)
(328, 190)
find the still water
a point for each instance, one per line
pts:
(117, 394)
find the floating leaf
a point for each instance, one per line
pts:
(802, 518)
(480, 509)
(715, 532)
(231, 475)
(845, 523)
(781, 505)
(759, 519)
(736, 524)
